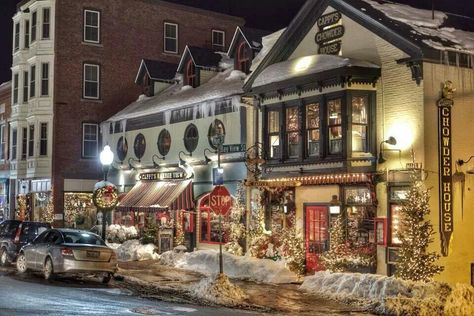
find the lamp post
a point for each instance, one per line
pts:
(106, 159)
(217, 139)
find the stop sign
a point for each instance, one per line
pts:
(220, 200)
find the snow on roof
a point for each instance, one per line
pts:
(436, 32)
(224, 84)
(267, 43)
(306, 65)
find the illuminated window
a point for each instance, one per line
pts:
(274, 133)
(209, 224)
(395, 223)
(292, 132)
(359, 124)
(335, 126)
(312, 129)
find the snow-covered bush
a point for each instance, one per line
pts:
(121, 233)
(133, 250)
(461, 301)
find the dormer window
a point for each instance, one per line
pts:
(190, 75)
(243, 58)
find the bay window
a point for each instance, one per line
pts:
(317, 128)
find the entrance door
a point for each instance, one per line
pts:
(316, 235)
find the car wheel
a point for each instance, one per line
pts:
(48, 269)
(21, 263)
(106, 279)
(4, 257)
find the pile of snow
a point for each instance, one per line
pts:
(219, 290)
(392, 296)
(237, 267)
(121, 233)
(133, 250)
(267, 44)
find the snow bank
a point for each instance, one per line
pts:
(121, 233)
(219, 290)
(461, 301)
(247, 268)
(381, 294)
(133, 250)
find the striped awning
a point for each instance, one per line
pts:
(158, 195)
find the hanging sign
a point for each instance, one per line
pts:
(156, 176)
(445, 160)
(329, 19)
(329, 34)
(330, 49)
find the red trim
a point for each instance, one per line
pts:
(191, 73)
(204, 207)
(243, 59)
(382, 220)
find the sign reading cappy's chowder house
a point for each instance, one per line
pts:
(328, 33)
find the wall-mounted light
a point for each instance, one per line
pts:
(131, 161)
(461, 162)
(334, 205)
(182, 162)
(391, 141)
(155, 164)
(207, 159)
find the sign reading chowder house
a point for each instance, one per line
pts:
(156, 176)
(328, 33)
(445, 168)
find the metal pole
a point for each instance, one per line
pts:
(103, 224)
(221, 265)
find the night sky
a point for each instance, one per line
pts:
(264, 14)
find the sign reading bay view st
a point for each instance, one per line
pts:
(329, 33)
(445, 105)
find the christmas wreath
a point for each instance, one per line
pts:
(105, 195)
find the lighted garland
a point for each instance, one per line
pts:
(105, 196)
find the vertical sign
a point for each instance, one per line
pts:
(328, 37)
(445, 105)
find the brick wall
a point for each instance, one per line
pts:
(130, 31)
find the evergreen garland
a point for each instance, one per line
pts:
(414, 262)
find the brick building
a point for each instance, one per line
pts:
(5, 107)
(74, 65)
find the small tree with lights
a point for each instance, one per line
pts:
(414, 261)
(235, 227)
(335, 259)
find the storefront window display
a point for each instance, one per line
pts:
(360, 216)
(279, 203)
(209, 224)
(79, 211)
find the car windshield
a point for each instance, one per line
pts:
(84, 238)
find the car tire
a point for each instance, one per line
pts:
(106, 279)
(21, 264)
(4, 260)
(48, 271)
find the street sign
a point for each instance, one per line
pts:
(220, 200)
(233, 148)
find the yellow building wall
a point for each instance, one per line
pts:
(461, 253)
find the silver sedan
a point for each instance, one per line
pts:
(62, 251)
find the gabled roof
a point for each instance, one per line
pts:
(418, 43)
(252, 36)
(156, 70)
(202, 58)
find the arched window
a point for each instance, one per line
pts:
(190, 76)
(243, 57)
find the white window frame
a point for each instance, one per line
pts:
(93, 26)
(43, 139)
(32, 89)
(84, 140)
(223, 39)
(2, 141)
(175, 38)
(97, 67)
(16, 36)
(15, 87)
(46, 24)
(44, 80)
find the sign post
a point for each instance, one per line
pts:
(220, 202)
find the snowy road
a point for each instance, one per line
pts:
(31, 295)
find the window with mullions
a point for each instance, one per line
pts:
(25, 86)
(91, 81)
(2, 141)
(34, 21)
(218, 38)
(334, 114)
(90, 140)
(44, 79)
(312, 129)
(16, 44)
(359, 123)
(46, 23)
(31, 141)
(27, 33)
(91, 26)
(243, 57)
(292, 132)
(171, 38)
(44, 139)
(15, 88)
(14, 142)
(24, 143)
(274, 134)
(190, 76)
(32, 81)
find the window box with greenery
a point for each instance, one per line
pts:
(316, 129)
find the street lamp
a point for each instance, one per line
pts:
(106, 159)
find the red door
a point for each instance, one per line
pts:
(316, 235)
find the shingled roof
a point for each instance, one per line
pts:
(156, 70)
(202, 57)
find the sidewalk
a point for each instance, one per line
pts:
(153, 280)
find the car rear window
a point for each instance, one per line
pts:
(84, 238)
(10, 229)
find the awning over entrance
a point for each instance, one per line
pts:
(158, 195)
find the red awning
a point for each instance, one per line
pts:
(158, 195)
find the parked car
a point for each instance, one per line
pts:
(15, 234)
(68, 251)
